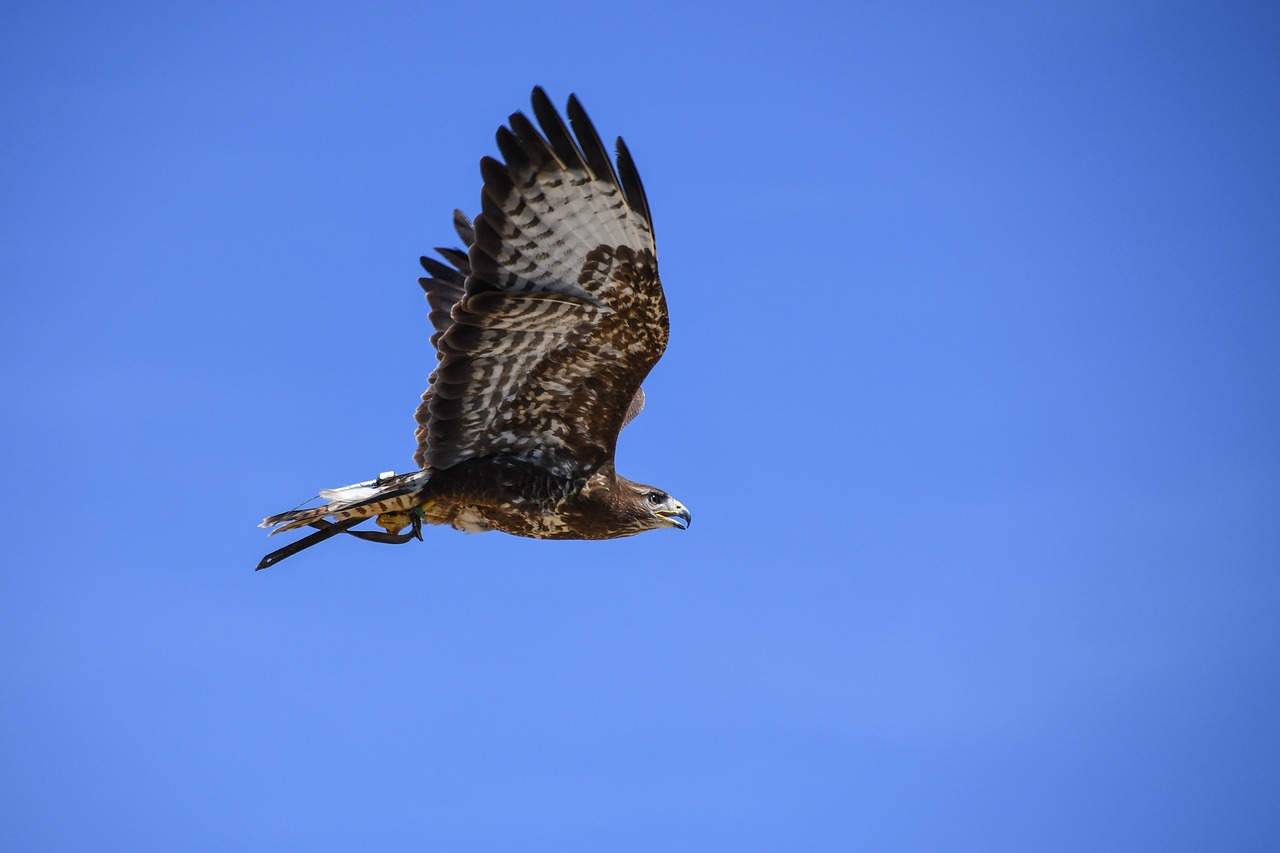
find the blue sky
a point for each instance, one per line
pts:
(972, 392)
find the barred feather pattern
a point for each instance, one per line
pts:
(394, 494)
(444, 285)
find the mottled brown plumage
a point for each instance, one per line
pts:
(545, 327)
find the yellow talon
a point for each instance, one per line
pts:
(393, 522)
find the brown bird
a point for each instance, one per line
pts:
(545, 327)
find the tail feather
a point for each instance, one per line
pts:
(360, 501)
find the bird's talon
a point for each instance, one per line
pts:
(394, 522)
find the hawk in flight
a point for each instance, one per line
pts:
(545, 326)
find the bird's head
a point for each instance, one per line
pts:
(654, 508)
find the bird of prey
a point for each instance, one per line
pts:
(545, 326)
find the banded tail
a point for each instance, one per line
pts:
(388, 493)
(348, 506)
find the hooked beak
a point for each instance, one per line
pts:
(675, 513)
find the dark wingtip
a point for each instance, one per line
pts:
(462, 224)
(632, 186)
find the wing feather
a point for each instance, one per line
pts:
(444, 286)
(589, 142)
(632, 188)
(556, 133)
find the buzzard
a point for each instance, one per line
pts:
(545, 326)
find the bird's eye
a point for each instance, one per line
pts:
(654, 497)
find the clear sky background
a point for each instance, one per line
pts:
(973, 392)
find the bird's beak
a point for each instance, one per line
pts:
(675, 513)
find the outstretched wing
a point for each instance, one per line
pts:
(563, 313)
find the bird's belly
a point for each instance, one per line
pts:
(534, 523)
